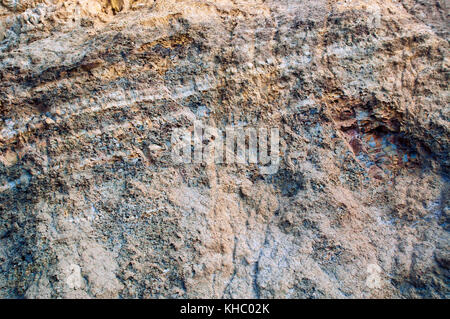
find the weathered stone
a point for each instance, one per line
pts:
(93, 206)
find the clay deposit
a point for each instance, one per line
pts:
(92, 204)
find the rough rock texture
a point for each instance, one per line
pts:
(92, 206)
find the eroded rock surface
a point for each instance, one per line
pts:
(92, 205)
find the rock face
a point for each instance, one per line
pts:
(92, 205)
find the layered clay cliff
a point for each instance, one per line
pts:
(93, 206)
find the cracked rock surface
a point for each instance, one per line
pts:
(93, 206)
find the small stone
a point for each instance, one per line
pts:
(49, 121)
(9, 158)
(74, 280)
(246, 188)
(154, 148)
